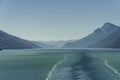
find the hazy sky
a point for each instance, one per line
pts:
(56, 19)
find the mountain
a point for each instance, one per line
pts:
(52, 44)
(43, 44)
(109, 28)
(99, 34)
(8, 41)
(110, 41)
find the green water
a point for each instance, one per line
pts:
(29, 64)
(26, 65)
(58, 64)
(112, 58)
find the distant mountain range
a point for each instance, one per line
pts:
(108, 36)
(52, 44)
(43, 45)
(8, 41)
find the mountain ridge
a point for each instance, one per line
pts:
(110, 41)
(8, 41)
(93, 38)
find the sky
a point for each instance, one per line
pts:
(56, 19)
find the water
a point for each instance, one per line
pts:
(59, 64)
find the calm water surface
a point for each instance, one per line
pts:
(59, 64)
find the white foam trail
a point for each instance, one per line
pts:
(107, 64)
(54, 67)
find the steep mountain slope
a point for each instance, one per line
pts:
(8, 41)
(94, 37)
(110, 41)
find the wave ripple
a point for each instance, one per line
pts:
(92, 68)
